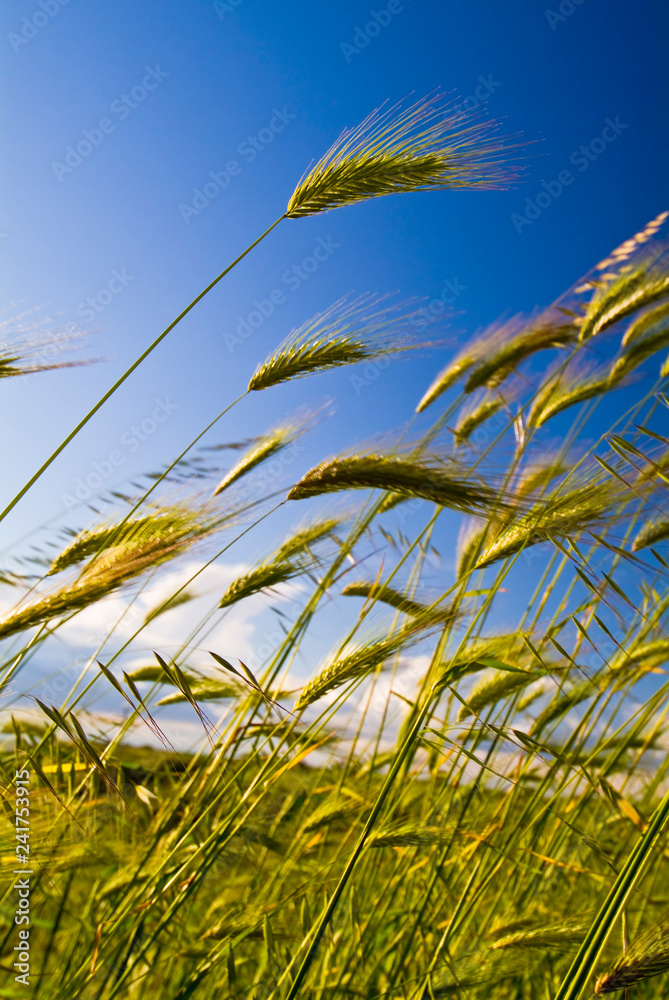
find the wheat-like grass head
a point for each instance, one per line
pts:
(494, 355)
(438, 479)
(267, 446)
(429, 145)
(348, 332)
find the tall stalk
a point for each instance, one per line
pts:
(119, 381)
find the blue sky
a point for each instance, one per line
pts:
(168, 94)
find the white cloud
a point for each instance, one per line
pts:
(245, 631)
(235, 633)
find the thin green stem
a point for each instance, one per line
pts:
(326, 916)
(119, 382)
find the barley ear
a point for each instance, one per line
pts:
(429, 145)
(349, 332)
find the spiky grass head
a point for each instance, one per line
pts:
(496, 353)
(588, 503)
(374, 591)
(346, 333)
(265, 447)
(359, 660)
(480, 408)
(27, 346)
(654, 531)
(647, 957)
(620, 295)
(644, 337)
(429, 145)
(293, 558)
(116, 554)
(566, 387)
(428, 477)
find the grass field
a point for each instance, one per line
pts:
(461, 800)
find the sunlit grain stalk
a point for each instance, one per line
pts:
(420, 543)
